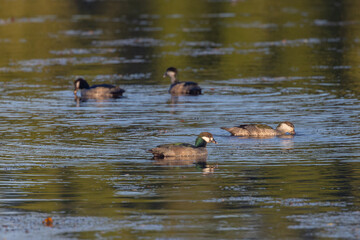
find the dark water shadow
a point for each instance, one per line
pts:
(178, 99)
(199, 162)
(180, 160)
(80, 100)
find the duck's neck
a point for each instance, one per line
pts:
(199, 142)
(280, 132)
(173, 79)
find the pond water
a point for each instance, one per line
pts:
(85, 165)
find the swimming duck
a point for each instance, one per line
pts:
(181, 88)
(261, 130)
(184, 149)
(99, 91)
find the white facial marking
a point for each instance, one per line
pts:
(78, 84)
(171, 73)
(286, 128)
(206, 139)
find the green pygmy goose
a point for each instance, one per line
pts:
(184, 149)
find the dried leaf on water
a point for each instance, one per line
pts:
(48, 222)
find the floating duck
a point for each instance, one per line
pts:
(181, 88)
(99, 91)
(184, 149)
(261, 130)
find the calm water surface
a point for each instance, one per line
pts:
(85, 163)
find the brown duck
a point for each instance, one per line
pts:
(261, 130)
(100, 91)
(184, 149)
(181, 88)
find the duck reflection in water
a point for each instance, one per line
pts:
(180, 160)
(199, 161)
(180, 99)
(287, 143)
(206, 168)
(80, 101)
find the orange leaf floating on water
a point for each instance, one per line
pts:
(48, 222)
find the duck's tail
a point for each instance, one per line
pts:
(117, 92)
(225, 128)
(195, 91)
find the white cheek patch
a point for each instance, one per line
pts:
(286, 128)
(206, 139)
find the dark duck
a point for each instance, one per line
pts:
(99, 91)
(181, 88)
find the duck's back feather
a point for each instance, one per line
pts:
(102, 91)
(256, 130)
(237, 131)
(177, 149)
(191, 88)
(102, 85)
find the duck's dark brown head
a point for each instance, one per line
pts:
(171, 72)
(80, 83)
(204, 138)
(207, 137)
